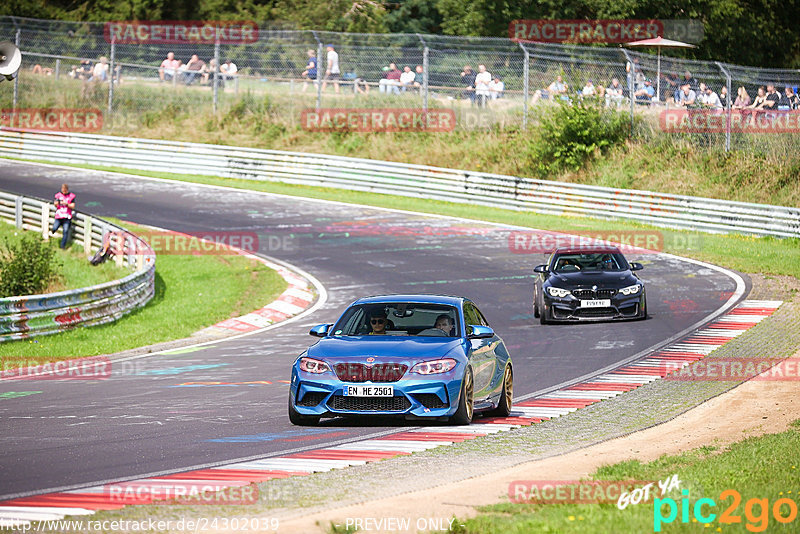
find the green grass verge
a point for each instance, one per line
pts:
(763, 468)
(744, 253)
(191, 292)
(75, 270)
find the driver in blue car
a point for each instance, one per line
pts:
(378, 320)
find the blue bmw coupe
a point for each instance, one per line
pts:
(413, 356)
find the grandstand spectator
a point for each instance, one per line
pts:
(468, 83)
(496, 88)
(614, 93)
(100, 71)
(390, 83)
(333, 72)
(228, 70)
(406, 78)
(687, 97)
(482, 81)
(419, 77)
(743, 99)
(556, 89)
(169, 68)
(711, 99)
(646, 93)
(773, 97)
(792, 98)
(759, 100)
(588, 88)
(311, 69)
(723, 96)
(194, 67)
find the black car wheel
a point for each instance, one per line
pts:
(535, 304)
(506, 396)
(543, 316)
(644, 309)
(300, 419)
(463, 415)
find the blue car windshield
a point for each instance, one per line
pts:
(398, 319)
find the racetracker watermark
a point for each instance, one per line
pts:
(575, 491)
(741, 121)
(191, 243)
(91, 368)
(181, 492)
(53, 119)
(584, 31)
(733, 369)
(378, 120)
(181, 32)
(636, 241)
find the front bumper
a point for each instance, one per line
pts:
(569, 309)
(416, 397)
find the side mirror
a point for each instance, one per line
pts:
(540, 269)
(321, 330)
(635, 266)
(479, 332)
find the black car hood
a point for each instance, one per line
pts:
(607, 279)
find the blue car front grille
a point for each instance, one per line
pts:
(379, 372)
(369, 404)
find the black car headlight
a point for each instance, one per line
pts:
(557, 292)
(631, 290)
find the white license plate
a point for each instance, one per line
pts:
(602, 303)
(368, 391)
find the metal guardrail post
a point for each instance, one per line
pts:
(110, 118)
(525, 86)
(87, 235)
(58, 68)
(216, 75)
(18, 212)
(46, 222)
(119, 256)
(727, 106)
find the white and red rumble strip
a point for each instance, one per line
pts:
(21, 512)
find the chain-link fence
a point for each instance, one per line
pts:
(486, 82)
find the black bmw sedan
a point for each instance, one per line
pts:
(588, 284)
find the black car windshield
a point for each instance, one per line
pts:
(398, 319)
(592, 261)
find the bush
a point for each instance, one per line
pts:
(28, 267)
(573, 134)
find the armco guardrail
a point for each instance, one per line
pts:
(32, 315)
(676, 211)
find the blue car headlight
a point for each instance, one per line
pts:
(434, 367)
(310, 365)
(558, 292)
(631, 290)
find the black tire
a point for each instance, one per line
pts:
(465, 412)
(644, 309)
(535, 305)
(300, 419)
(543, 316)
(506, 395)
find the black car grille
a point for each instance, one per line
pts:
(369, 404)
(430, 400)
(594, 293)
(595, 312)
(379, 372)
(312, 398)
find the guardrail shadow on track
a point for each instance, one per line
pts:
(31, 315)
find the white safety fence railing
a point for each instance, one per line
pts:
(421, 181)
(30, 315)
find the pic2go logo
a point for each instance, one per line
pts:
(757, 521)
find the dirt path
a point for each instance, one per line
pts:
(754, 408)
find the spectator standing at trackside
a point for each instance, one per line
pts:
(332, 72)
(792, 98)
(743, 99)
(311, 69)
(407, 78)
(723, 96)
(169, 68)
(468, 83)
(773, 97)
(64, 203)
(496, 88)
(482, 81)
(760, 99)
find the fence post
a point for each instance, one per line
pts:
(58, 67)
(631, 76)
(425, 65)
(216, 75)
(727, 106)
(111, 66)
(18, 212)
(45, 221)
(319, 70)
(87, 234)
(16, 81)
(525, 86)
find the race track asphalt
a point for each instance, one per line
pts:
(143, 421)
